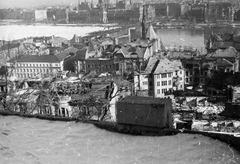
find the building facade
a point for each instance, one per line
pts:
(160, 76)
(34, 66)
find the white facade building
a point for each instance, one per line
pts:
(160, 76)
(34, 66)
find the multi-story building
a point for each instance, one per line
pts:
(160, 76)
(30, 66)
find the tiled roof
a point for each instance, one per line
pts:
(64, 54)
(164, 66)
(36, 58)
(157, 65)
(151, 64)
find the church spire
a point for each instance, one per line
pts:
(143, 24)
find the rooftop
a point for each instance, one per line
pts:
(158, 65)
(230, 52)
(64, 54)
(36, 59)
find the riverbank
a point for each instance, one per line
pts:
(41, 141)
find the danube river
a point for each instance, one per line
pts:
(169, 37)
(32, 141)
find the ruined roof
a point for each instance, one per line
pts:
(64, 54)
(230, 52)
(36, 58)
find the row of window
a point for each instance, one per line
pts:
(37, 65)
(99, 66)
(165, 75)
(164, 83)
(32, 70)
(187, 80)
(163, 91)
(202, 73)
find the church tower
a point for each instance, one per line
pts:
(143, 24)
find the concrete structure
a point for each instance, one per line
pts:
(147, 112)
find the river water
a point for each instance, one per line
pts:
(33, 141)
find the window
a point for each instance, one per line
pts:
(169, 74)
(56, 65)
(158, 91)
(164, 75)
(206, 73)
(36, 65)
(164, 90)
(164, 83)
(186, 80)
(169, 82)
(180, 86)
(43, 65)
(145, 83)
(30, 65)
(186, 73)
(180, 78)
(176, 73)
(190, 79)
(158, 76)
(158, 83)
(180, 72)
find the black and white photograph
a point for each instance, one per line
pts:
(120, 82)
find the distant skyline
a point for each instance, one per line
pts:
(38, 3)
